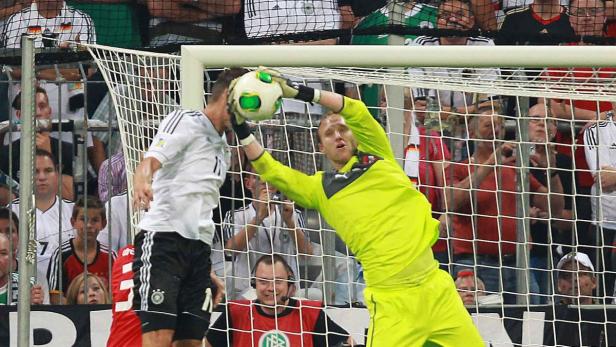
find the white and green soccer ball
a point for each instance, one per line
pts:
(256, 96)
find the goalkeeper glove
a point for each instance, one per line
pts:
(291, 89)
(238, 123)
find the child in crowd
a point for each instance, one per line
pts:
(97, 293)
(67, 262)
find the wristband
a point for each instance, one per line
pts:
(247, 140)
(308, 94)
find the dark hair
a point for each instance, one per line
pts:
(7, 214)
(224, 79)
(271, 259)
(43, 153)
(92, 202)
(17, 101)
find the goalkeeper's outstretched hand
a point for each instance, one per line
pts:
(292, 90)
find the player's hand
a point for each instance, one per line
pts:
(291, 89)
(220, 289)
(288, 89)
(142, 195)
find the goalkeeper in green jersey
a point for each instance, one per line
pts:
(381, 217)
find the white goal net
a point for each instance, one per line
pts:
(518, 163)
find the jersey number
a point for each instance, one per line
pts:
(217, 166)
(44, 245)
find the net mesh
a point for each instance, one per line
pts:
(508, 220)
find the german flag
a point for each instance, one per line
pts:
(66, 26)
(34, 30)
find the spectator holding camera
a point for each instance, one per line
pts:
(267, 225)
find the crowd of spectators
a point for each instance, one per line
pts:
(458, 154)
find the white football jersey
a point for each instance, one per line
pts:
(275, 17)
(194, 158)
(70, 25)
(448, 97)
(269, 238)
(51, 225)
(600, 150)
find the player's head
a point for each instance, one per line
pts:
(43, 109)
(469, 286)
(9, 225)
(97, 292)
(46, 175)
(336, 140)
(273, 281)
(218, 99)
(455, 15)
(7, 257)
(88, 224)
(587, 17)
(540, 128)
(576, 278)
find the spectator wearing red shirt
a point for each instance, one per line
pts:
(484, 205)
(126, 326)
(82, 253)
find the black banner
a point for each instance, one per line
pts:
(88, 326)
(78, 325)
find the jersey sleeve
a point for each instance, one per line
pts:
(171, 140)
(371, 137)
(328, 332)
(217, 333)
(53, 271)
(297, 186)
(590, 148)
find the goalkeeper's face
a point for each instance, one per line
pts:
(336, 140)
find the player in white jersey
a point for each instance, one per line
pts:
(177, 184)
(265, 226)
(53, 214)
(600, 150)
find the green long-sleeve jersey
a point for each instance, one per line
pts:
(370, 202)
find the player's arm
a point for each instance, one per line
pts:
(142, 183)
(370, 135)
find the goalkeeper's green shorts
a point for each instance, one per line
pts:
(430, 314)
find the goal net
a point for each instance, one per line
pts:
(518, 163)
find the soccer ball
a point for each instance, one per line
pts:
(256, 96)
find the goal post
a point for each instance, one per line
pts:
(545, 73)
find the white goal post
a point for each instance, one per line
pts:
(546, 73)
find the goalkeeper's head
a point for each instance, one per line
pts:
(336, 140)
